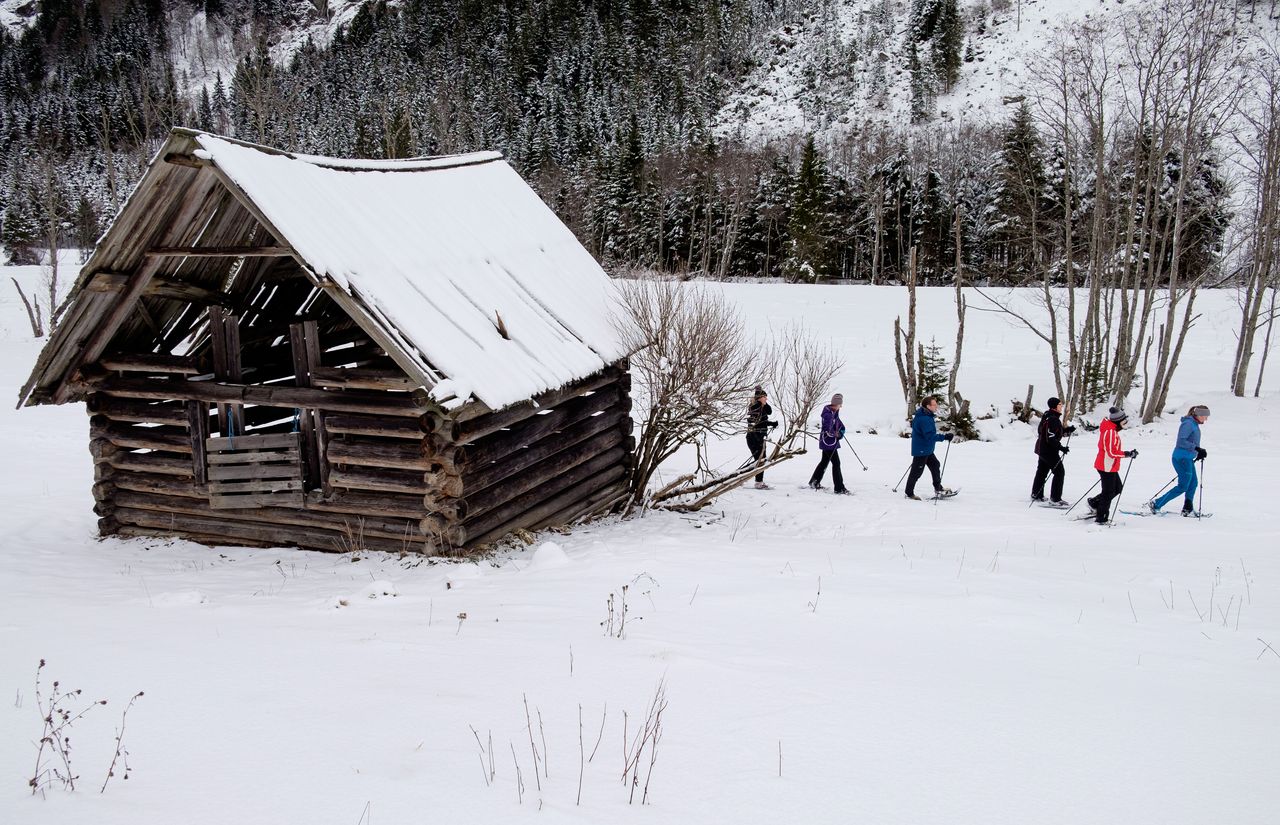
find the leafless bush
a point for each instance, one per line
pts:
(695, 367)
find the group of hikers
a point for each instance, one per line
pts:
(1051, 448)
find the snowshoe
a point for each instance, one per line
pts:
(844, 492)
(1055, 505)
(946, 492)
(914, 497)
(760, 485)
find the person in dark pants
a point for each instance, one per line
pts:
(1110, 451)
(758, 426)
(1051, 449)
(829, 443)
(924, 437)
(1186, 452)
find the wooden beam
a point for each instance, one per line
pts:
(220, 252)
(271, 395)
(107, 282)
(198, 431)
(161, 287)
(151, 362)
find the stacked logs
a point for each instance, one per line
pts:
(475, 475)
(398, 472)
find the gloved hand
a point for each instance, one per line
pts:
(842, 432)
(1065, 450)
(1131, 454)
(773, 424)
(948, 436)
(1069, 430)
(1201, 452)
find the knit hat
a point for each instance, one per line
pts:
(1053, 402)
(1117, 415)
(837, 399)
(759, 392)
(1201, 410)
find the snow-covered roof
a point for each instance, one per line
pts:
(448, 254)
(453, 265)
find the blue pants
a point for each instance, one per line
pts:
(1185, 464)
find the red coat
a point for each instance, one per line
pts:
(1110, 451)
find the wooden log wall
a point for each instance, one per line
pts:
(393, 471)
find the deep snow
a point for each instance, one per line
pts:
(973, 661)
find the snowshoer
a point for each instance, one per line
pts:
(758, 426)
(829, 443)
(924, 437)
(1051, 449)
(1110, 451)
(1186, 452)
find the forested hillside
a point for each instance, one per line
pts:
(628, 117)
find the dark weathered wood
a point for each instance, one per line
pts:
(107, 282)
(357, 378)
(509, 511)
(251, 457)
(271, 396)
(445, 510)
(219, 531)
(284, 500)
(159, 484)
(198, 433)
(161, 287)
(355, 502)
(394, 528)
(363, 452)
(252, 442)
(546, 470)
(480, 475)
(302, 376)
(391, 481)
(474, 421)
(128, 436)
(140, 412)
(152, 363)
(404, 428)
(499, 445)
(224, 337)
(262, 485)
(594, 504)
(219, 252)
(155, 463)
(445, 483)
(563, 498)
(181, 214)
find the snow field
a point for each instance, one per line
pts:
(973, 660)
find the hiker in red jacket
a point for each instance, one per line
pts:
(1110, 451)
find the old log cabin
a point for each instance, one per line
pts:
(286, 350)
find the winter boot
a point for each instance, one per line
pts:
(1188, 509)
(1152, 507)
(813, 485)
(843, 493)
(1035, 497)
(760, 485)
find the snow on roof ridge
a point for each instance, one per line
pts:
(210, 143)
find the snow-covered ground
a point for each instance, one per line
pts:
(866, 659)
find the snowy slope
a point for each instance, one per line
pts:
(826, 660)
(822, 72)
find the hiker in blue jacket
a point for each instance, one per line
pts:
(829, 443)
(1186, 452)
(924, 437)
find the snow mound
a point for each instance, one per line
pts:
(548, 554)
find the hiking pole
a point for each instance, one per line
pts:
(1115, 507)
(1200, 509)
(904, 475)
(1086, 492)
(855, 453)
(937, 494)
(1166, 486)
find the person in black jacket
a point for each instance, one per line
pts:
(758, 426)
(1050, 448)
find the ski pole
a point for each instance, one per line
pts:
(1115, 508)
(904, 475)
(1165, 487)
(941, 473)
(1200, 513)
(1086, 492)
(855, 453)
